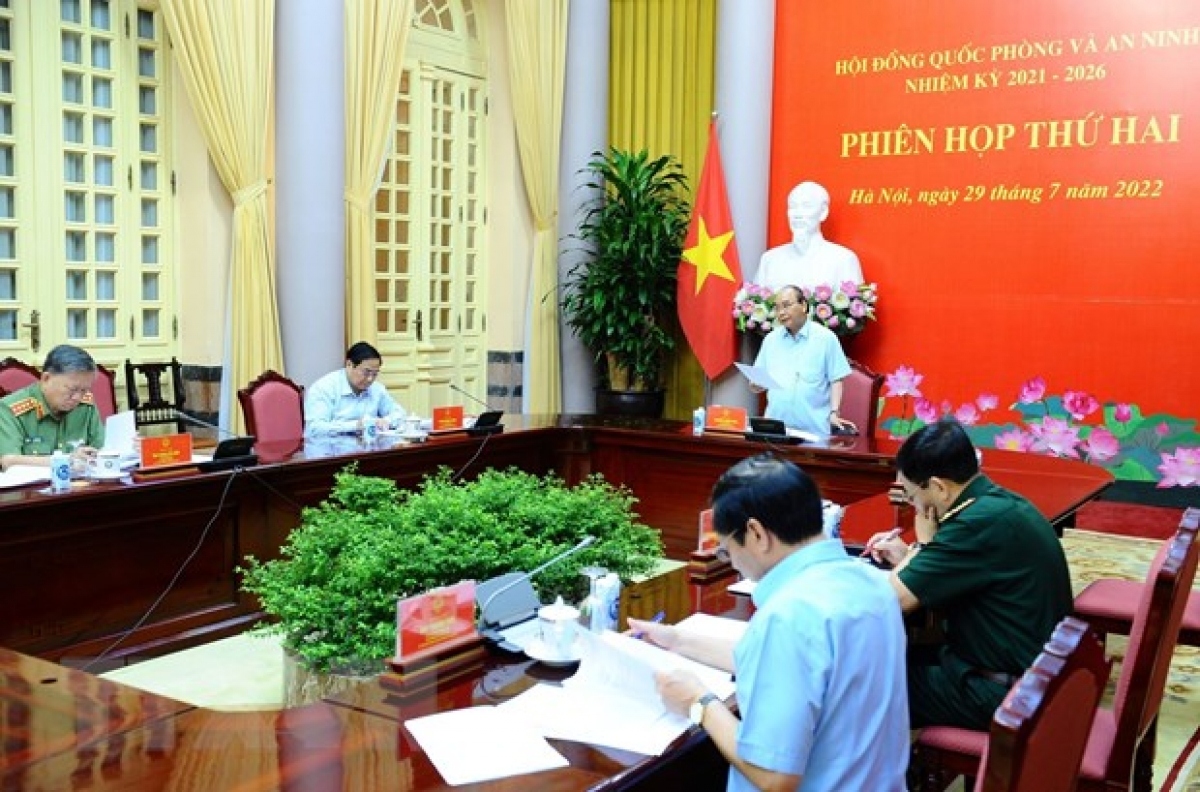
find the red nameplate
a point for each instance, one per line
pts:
(708, 535)
(729, 419)
(435, 617)
(172, 449)
(447, 418)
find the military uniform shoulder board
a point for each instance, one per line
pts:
(28, 404)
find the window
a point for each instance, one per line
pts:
(85, 177)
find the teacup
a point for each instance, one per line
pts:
(558, 624)
(105, 464)
(412, 425)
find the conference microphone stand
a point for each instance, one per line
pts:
(587, 541)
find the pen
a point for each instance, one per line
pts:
(892, 534)
(658, 617)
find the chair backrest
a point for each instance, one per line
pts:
(104, 391)
(1152, 641)
(15, 375)
(273, 407)
(161, 406)
(1040, 731)
(860, 398)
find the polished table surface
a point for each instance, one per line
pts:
(66, 728)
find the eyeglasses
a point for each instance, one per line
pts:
(784, 305)
(910, 497)
(368, 372)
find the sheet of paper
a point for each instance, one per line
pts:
(743, 587)
(20, 475)
(714, 626)
(758, 376)
(599, 717)
(482, 743)
(119, 431)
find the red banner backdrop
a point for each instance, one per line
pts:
(1021, 179)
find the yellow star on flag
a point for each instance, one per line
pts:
(708, 256)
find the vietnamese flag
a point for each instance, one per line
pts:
(710, 273)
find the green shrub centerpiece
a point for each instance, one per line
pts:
(332, 593)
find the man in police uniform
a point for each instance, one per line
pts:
(984, 558)
(53, 413)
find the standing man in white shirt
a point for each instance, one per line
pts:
(345, 401)
(810, 259)
(807, 361)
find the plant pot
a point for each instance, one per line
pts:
(641, 404)
(302, 685)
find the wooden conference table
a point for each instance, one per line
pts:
(81, 567)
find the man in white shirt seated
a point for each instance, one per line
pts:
(351, 398)
(809, 260)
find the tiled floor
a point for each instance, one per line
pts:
(244, 672)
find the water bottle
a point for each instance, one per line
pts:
(592, 610)
(60, 471)
(698, 421)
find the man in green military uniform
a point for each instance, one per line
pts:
(988, 561)
(54, 413)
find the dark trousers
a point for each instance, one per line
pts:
(942, 691)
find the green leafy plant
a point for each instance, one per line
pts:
(619, 297)
(332, 593)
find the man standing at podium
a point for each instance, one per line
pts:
(820, 668)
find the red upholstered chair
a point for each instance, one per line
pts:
(1120, 748)
(1039, 733)
(860, 398)
(104, 391)
(273, 407)
(1107, 604)
(15, 375)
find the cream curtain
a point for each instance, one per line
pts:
(225, 52)
(537, 43)
(375, 35)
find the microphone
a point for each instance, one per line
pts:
(587, 541)
(182, 416)
(481, 402)
(488, 422)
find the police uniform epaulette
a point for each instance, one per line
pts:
(28, 404)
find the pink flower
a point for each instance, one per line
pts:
(967, 414)
(858, 308)
(849, 287)
(832, 321)
(1014, 440)
(925, 410)
(1032, 391)
(1181, 469)
(824, 312)
(987, 401)
(1123, 412)
(1055, 437)
(1079, 404)
(947, 407)
(822, 293)
(1162, 430)
(904, 381)
(1101, 445)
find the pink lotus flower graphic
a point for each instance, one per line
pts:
(1079, 404)
(1014, 440)
(925, 410)
(1123, 412)
(1180, 469)
(904, 381)
(967, 414)
(1056, 437)
(1101, 445)
(1032, 391)
(987, 401)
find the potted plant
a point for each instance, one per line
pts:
(332, 592)
(619, 297)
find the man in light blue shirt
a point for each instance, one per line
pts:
(349, 399)
(821, 697)
(807, 361)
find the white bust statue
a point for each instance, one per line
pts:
(809, 259)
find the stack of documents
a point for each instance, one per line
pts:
(611, 701)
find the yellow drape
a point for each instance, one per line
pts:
(225, 52)
(375, 35)
(537, 43)
(660, 98)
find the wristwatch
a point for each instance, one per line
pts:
(696, 711)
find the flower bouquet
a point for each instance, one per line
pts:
(754, 309)
(844, 309)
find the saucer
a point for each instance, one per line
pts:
(414, 437)
(115, 476)
(537, 650)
